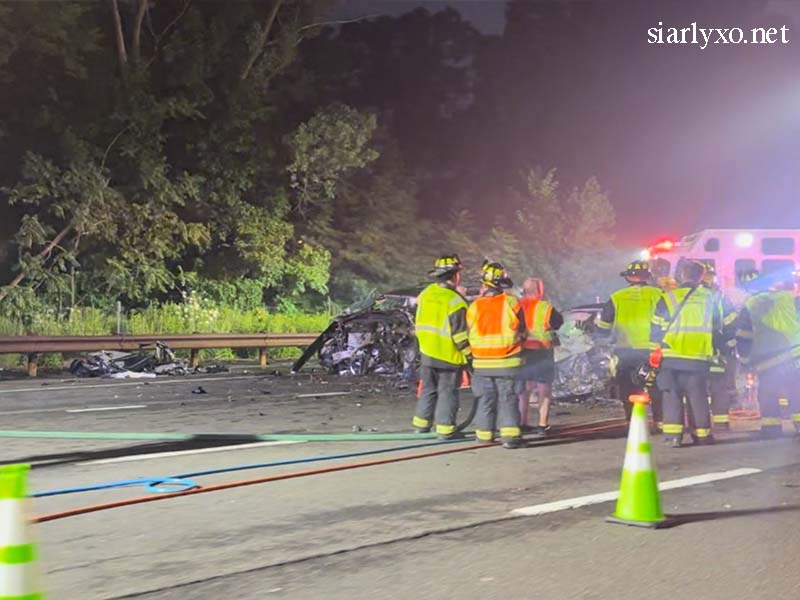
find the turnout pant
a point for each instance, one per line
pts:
(722, 389)
(779, 382)
(497, 407)
(691, 385)
(627, 367)
(438, 401)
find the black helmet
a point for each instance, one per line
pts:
(748, 277)
(638, 269)
(446, 265)
(494, 274)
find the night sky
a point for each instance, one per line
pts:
(682, 138)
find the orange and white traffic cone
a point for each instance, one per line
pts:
(19, 573)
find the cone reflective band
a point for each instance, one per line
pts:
(18, 569)
(638, 502)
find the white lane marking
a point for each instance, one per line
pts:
(87, 386)
(133, 457)
(99, 408)
(550, 507)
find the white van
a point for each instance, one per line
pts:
(731, 251)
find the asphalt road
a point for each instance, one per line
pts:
(437, 527)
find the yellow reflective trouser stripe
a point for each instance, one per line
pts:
(420, 422)
(603, 325)
(771, 421)
(445, 429)
(743, 333)
(796, 417)
(507, 432)
(720, 419)
(496, 363)
(702, 433)
(484, 436)
(672, 428)
(783, 401)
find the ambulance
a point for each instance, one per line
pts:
(773, 252)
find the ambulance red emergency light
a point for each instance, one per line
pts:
(731, 251)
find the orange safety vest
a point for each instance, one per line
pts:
(537, 320)
(493, 325)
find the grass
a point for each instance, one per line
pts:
(190, 317)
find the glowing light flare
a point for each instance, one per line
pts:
(645, 254)
(743, 240)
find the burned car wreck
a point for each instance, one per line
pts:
(584, 361)
(376, 336)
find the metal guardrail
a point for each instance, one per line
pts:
(33, 345)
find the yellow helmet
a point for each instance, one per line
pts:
(446, 265)
(494, 274)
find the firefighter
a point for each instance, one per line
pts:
(441, 329)
(768, 339)
(626, 316)
(686, 327)
(538, 355)
(722, 373)
(496, 331)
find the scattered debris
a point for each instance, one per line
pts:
(356, 428)
(147, 362)
(199, 390)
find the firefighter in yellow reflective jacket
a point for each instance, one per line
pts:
(626, 316)
(686, 327)
(441, 330)
(722, 374)
(768, 338)
(496, 331)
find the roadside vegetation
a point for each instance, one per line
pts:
(184, 166)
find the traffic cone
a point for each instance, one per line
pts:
(638, 502)
(19, 575)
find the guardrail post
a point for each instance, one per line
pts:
(194, 358)
(33, 364)
(262, 357)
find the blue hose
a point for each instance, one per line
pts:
(183, 483)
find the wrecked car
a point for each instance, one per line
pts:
(584, 362)
(373, 336)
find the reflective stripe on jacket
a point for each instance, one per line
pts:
(441, 331)
(630, 313)
(691, 335)
(537, 321)
(769, 332)
(494, 332)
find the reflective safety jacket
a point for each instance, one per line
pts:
(768, 332)
(496, 330)
(689, 340)
(627, 315)
(441, 327)
(541, 320)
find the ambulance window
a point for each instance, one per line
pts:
(777, 245)
(711, 245)
(744, 264)
(777, 265)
